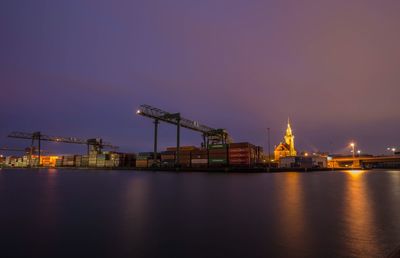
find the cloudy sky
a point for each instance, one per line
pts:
(81, 68)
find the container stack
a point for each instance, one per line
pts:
(78, 160)
(68, 161)
(217, 155)
(34, 161)
(185, 158)
(101, 160)
(183, 148)
(109, 163)
(92, 160)
(10, 160)
(199, 158)
(115, 158)
(242, 154)
(127, 160)
(85, 161)
(168, 158)
(46, 161)
(141, 163)
(21, 162)
(59, 162)
(142, 159)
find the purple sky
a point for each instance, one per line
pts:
(80, 68)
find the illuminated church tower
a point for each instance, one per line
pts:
(289, 140)
(286, 148)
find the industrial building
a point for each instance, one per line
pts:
(303, 162)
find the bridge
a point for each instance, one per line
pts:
(365, 162)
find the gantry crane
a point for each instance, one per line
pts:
(95, 144)
(209, 134)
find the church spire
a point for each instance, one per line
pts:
(289, 139)
(286, 148)
(289, 128)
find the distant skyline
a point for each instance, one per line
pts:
(81, 68)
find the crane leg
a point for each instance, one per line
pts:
(178, 129)
(39, 151)
(156, 122)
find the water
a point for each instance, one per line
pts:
(70, 213)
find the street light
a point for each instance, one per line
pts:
(392, 149)
(353, 145)
(269, 148)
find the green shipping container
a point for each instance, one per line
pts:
(217, 160)
(217, 146)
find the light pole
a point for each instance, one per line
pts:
(353, 145)
(269, 149)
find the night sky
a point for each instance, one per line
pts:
(81, 68)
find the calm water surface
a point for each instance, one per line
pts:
(71, 213)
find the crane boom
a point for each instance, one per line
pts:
(27, 150)
(43, 137)
(95, 144)
(175, 119)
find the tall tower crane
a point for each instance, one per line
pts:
(95, 144)
(209, 134)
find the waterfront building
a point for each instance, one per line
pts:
(286, 148)
(303, 162)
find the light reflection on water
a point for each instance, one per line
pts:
(50, 213)
(291, 215)
(359, 216)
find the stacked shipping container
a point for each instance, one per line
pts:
(242, 154)
(217, 155)
(59, 162)
(199, 158)
(184, 158)
(144, 159)
(85, 161)
(68, 161)
(78, 160)
(168, 158)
